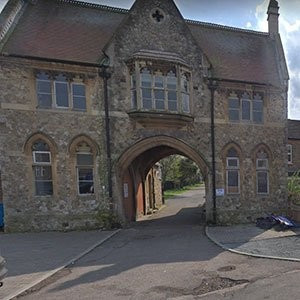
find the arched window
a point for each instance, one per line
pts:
(262, 172)
(232, 172)
(42, 168)
(85, 169)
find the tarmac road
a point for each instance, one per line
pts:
(166, 256)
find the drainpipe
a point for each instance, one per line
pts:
(213, 86)
(105, 75)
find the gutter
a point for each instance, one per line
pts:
(51, 60)
(213, 86)
(105, 75)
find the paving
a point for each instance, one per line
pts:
(33, 257)
(253, 241)
(165, 255)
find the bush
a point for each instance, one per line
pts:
(294, 188)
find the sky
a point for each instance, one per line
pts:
(249, 14)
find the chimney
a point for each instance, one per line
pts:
(273, 17)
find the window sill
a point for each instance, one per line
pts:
(161, 118)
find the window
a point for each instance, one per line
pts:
(262, 172)
(290, 153)
(57, 91)
(166, 89)
(42, 168)
(232, 172)
(245, 108)
(85, 169)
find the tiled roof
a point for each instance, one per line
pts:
(78, 31)
(294, 129)
(64, 30)
(237, 54)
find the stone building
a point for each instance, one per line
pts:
(93, 96)
(293, 146)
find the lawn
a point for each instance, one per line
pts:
(171, 193)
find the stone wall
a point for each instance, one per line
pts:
(21, 122)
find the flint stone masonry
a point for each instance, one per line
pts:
(136, 145)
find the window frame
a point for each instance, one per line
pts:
(290, 153)
(53, 95)
(72, 95)
(36, 164)
(245, 98)
(160, 70)
(41, 152)
(78, 167)
(37, 80)
(233, 169)
(263, 170)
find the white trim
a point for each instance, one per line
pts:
(262, 171)
(233, 167)
(54, 94)
(290, 154)
(41, 162)
(262, 168)
(238, 186)
(79, 96)
(78, 181)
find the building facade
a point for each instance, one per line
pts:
(93, 96)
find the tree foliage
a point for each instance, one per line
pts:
(179, 171)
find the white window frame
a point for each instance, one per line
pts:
(54, 98)
(178, 71)
(54, 94)
(241, 110)
(42, 164)
(233, 168)
(72, 95)
(266, 164)
(290, 154)
(87, 167)
(262, 170)
(242, 99)
(37, 92)
(39, 162)
(239, 182)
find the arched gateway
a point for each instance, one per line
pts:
(135, 162)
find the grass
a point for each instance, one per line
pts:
(171, 193)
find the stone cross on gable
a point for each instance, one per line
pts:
(158, 16)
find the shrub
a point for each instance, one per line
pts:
(294, 188)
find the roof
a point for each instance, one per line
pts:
(237, 54)
(78, 31)
(63, 30)
(294, 129)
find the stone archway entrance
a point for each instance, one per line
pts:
(133, 167)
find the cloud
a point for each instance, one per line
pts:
(248, 25)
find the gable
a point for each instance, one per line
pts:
(156, 26)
